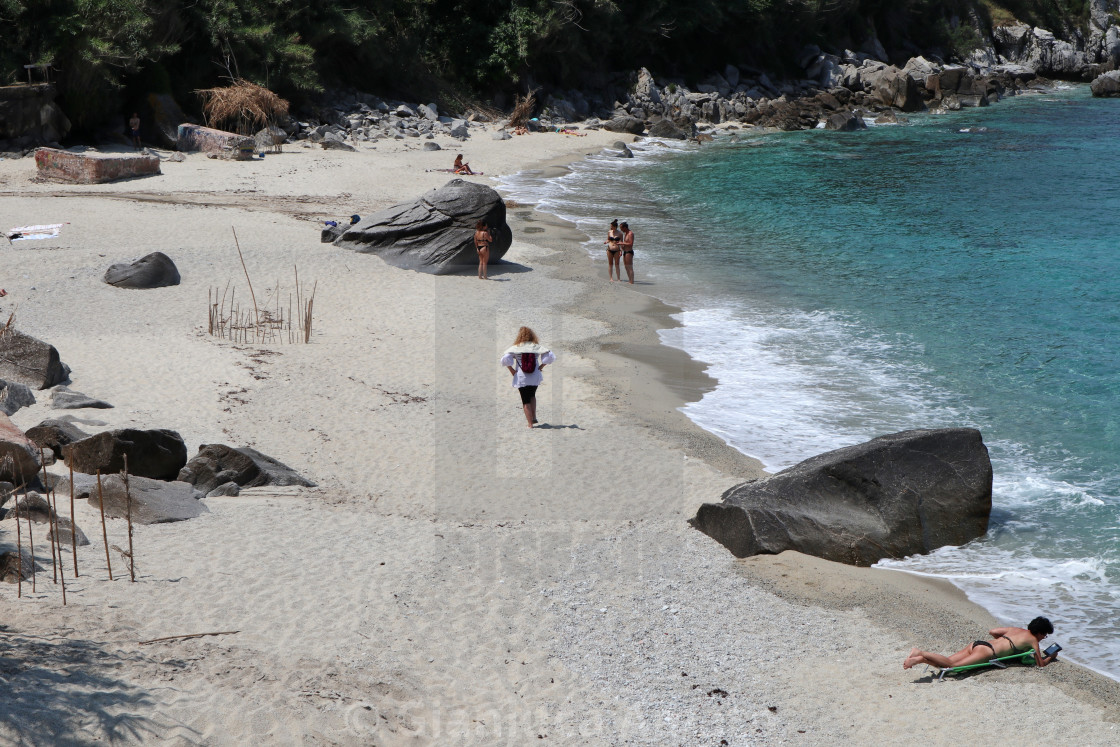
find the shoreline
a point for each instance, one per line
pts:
(455, 576)
(670, 378)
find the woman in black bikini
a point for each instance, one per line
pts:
(628, 252)
(1005, 642)
(482, 239)
(614, 239)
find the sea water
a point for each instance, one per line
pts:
(952, 270)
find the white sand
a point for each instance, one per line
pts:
(455, 578)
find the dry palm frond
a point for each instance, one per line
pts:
(523, 109)
(242, 104)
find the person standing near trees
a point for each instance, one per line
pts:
(628, 251)
(134, 130)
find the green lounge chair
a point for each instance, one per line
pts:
(1023, 657)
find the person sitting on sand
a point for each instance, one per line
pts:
(460, 167)
(525, 361)
(1005, 642)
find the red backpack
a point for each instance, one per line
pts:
(528, 362)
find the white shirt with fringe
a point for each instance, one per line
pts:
(512, 357)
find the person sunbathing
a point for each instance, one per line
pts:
(1005, 642)
(460, 167)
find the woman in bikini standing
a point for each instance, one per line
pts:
(628, 251)
(1005, 642)
(482, 239)
(614, 249)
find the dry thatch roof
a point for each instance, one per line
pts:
(245, 103)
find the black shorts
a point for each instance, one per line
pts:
(527, 393)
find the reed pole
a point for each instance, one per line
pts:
(128, 503)
(52, 499)
(256, 313)
(30, 534)
(19, 551)
(104, 533)
(73, 524)
(50, 520)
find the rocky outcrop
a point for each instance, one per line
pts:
(19, 457)
(893, 496)
(230, 145)
(434, 234)
(14, 396)
(27, 360)
(165, 120)
(217, 465)
(153, 501)
(155, 270)
(29, 117)
(1042, 52)
(158, 454)
(1106, 85)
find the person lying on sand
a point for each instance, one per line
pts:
(1005, 642)
(460, 167)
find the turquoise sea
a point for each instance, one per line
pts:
(956, 269)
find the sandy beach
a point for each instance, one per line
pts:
(455, 578)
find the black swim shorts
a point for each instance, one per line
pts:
(527, 393)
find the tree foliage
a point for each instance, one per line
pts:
(466, 47)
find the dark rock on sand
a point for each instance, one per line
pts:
(14, 396)
(153, 501)
(434, 234)
(27, 360)
(12, 567)
(158, 454)
(30, 507)
(665, 128)
(226, 489)
(67, 532)
(19, 457)
(155, 270)
(633, 125)
(54, 434)
(63, 398)
(890, 497)
(216, 465)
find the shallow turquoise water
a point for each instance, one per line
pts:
(954, 270)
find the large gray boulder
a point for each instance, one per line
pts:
(153, 501)
(158, 454)
(1106, 85)
(434, 234)
(217, 464)
(890, 497)
(666, 128)
(19, 457)
(64, 398)
(892, 87)
(155, 270)
(27, 360)
(632, 125)
(14, 396)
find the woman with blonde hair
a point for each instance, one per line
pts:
(525, 359)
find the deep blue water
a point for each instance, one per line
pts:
(957, 269)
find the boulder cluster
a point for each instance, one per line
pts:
(162, 484)
(354, 118)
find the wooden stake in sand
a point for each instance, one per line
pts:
(256, 314)
(73, 525)
(128, 502)
(104, 533)
(19, 551)
(52, 499)
(50, 519)
(30, 537)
